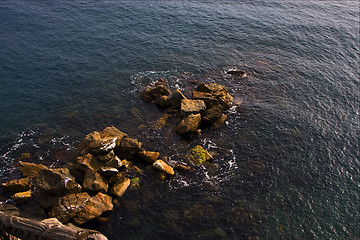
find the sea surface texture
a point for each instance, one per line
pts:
(286, 164)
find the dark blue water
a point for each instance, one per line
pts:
(287, 161)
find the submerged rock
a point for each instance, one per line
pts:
(68, 206)
(163, 166)
(161, 122)
(189, 124)
(199, 156)
(93, 208)
(154, 93)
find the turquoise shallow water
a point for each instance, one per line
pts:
(287, 160)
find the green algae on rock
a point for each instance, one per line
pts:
(199, 156)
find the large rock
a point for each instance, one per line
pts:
(209, 99)
(30, 169)
(175, 98)
(212, 115)
(16, 185)
(225, 99)
(120, 187)
(95, 182)
(199, 156)
(154, 93)
(69, 206)
(112, 132)
(108, 171)
(45, 199)
(88, 162)
(149, 156)
(189, 124)
(189, 106)
(52, 180)
(87, 142)
(220, 122)
(211, 88)
(93, 208)
(163, 166)
(128, 148)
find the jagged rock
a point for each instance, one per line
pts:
(103, 146)
(108, 171)
(45, 199)
(69, 206)
(106, 157)
(112, 132)
(162, 102)
(209, 99)
(120, 187)
(16, 185)
(199, 156)
(9, 209)
(190, 106)
(128, 148)
(149, 156)
(53, 180)
(95, 182)
(114, 163)
(88, 162)
(93, 208)
(154, 93)
(87, 141)
(212, 115)
(189, 124)
(220, 122)
(211, 88)
(22, 197)
(224, 99)
(163, 166)
(30, 169)
(175, 99)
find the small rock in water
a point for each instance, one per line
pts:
(120, 187)
(236, 72)
(199, 156)
(163, 166)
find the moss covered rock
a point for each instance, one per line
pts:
(199, 156)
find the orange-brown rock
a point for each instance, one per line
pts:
(163, 166)
(189, 124)
(30, 169)
(69, 206)
(95, 182)
(175, 98)
(120, 187)
(190, 106)
(16, 185)
(22, 197)
(128, 148)
(149, 156)
(88, 141)
(93, 208)
(88, 162)
(154, 93)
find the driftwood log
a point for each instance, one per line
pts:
(49, 229)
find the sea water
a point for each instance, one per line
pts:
(286, 164)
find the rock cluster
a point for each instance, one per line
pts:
(206, 107)
(84, 190)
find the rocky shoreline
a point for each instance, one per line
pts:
(105, 168)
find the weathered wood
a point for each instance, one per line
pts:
(50, 229)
